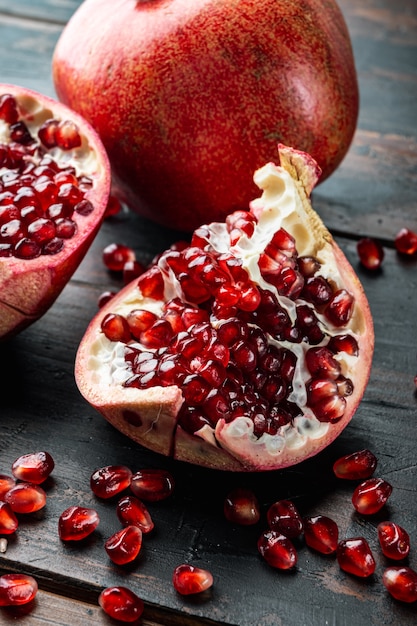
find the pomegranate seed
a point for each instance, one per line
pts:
(277, 550)
(67, 135)
(394, 540)
(371, 495)
(340, 308)
(241, 506)
(283, 517)
(152, 485)
(355, 557)
(321, 363)
(114, 207)
(401, 583)
(188, 580)
(132, 270)
(6, 483)
(47, 132)
(321, 533)
(34, 467)
(17, 589)
(104, 298)
(121, 603)
(355, 466)
(8, 520)
(124, 545)
(76, 523)
(406, 241)
(110, 480)
(116, 328)
(151, 284)
(26, 498)
(8, 109)
(370, 252)
(132, 512)
(115, 255)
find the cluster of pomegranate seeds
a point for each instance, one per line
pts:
(370, 252)
(77, 523)
(190, 580)
(241, 506)
(17, 589)
(121, 604)
(39, 199)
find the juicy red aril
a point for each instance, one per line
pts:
(77, 522)
(104, 298)
(26, 498)
(284, 517)
(115, 255)
(132, 512)
(114, 207)
(17, 589)
(6, 483)
(124, 545)
(371, 495)
(34, 467)
(277, 550)
(110, 480)
(321, 533)
(152, 485)
(115, 327)
(401, 583)
(131, 270)
(8, 520)
(355, 466)
(8, 109)
(370, 252)
(189, 580)
(394, 540)
(355, 557)
(121, 603)
(406, 241)
(241, 506)
(340, 308)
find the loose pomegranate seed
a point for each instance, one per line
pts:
(104, 298)
(321, 533)
(152, 485)
(370, 252)
(406, 241)
(115, 255)
(355, 466)
(132, 512)
(401, 583)
(26, 498)
(121, 603)
(8, 520)
(114, 207)
(110, 480)
(17, 589)
(124, 545)
(371, 495)
(355, 557)
(394, 540)
(284, 517)
(77, 522)
(6, 483)
(241, 506)
(189, 580)
(34, 467)
(277, 550)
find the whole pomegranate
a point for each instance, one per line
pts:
(54, 186)
(248, 350)
(190, 98)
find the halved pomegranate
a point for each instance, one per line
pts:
(54, 186)
(248, 350)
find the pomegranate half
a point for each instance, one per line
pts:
(54, 186)
(190, 98)
(248, 350)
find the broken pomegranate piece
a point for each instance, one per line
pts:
(17, 589)
(121, 604)
(189, 580)
(355, 557)
(247, 350)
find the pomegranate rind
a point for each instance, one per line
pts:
(231, 446)
(28, 288)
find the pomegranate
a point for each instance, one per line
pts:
(254, 344)
(54, 185)
(244, 75)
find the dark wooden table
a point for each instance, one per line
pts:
(374, 193)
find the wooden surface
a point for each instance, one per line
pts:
(373, 193)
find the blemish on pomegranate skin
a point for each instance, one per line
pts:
(132, 418)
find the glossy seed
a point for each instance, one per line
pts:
(110, 480)
(394, 540)
(321, 533)
(284, 517)
(8, 520)
(371, 495)
(26, 498)
(277, 550)
(132, 511)
(121, 603)
(358, 465)
(152, 485)
(17, 589)
(355, 557)
(34, 467)
(241, 506)
(401, 583)
(124, 545)
(77, 523)
(190, 580)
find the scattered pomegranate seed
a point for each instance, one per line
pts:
(355, 466)
(284, 517)
(355, 557)
(401, 583)
(6, 483)
(17, 589)
(394, 540)
(115, 255)
(110, 480)
(406, 241)
(26, 498)
(321, 533)
(121, 603)
(76, 523)
(152, 485)
(131, 511)
(277, 550)
(241, 506)
(371, 495)
(8, 520)
(34, 467)
(188, 580)
(114, 207)
(105, 297)
(124, 545)
(371, 253)
(132, 270)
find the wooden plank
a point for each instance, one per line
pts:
(45, 10)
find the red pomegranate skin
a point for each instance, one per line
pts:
(190, 98)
